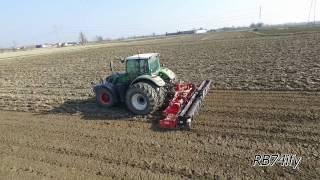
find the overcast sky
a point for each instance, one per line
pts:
(38, 21)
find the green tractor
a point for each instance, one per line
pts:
(144, 87)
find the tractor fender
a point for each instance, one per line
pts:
(154, 79)
(167, 74)
(108, 86)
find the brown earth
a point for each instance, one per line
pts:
(232, 60)
(232, 128)
(270, 104)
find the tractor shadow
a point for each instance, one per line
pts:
(89, 110)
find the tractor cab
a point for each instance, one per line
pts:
(142, 64)
(141, 67)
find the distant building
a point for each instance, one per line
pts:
(197, 31)
(65, 44)
(180, 33)
(200, 31)
(73, 43)
(58, 44)
(41, 46)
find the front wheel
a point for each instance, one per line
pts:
(142, 99)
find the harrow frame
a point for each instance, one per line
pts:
(184, 105)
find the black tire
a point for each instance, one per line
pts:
(162, 96)
(142, 98)
(104, 97)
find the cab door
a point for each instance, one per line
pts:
(136, 68)
(144, 69)
(133, 69)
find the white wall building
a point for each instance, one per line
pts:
(200, 31)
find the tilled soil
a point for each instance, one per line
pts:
(51, 127)
(241, 60)
(233, 126)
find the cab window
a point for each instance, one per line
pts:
(143, 66)
(132, 67)
(154, 65)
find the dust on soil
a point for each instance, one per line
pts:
(63, 133)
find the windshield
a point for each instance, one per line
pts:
(154, 65)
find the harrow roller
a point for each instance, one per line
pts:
(184, 105)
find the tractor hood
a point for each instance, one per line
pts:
(167, 73)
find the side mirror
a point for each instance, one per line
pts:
(122, 60)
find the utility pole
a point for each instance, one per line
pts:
(56, 33)
(315, 8)
(14, 45)
(260, 18)
(310, 11)
(314, 5)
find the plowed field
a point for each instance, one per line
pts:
(265, 100)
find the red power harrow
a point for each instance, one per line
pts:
(184, 105)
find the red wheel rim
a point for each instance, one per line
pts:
(105, 99)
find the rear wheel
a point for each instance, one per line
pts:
(142, 98)
(162, 96)
(104, 97)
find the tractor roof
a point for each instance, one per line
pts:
(142, 56)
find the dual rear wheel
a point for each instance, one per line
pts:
(141, 98)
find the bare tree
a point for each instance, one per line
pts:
(107, 39)
(14, 46)
(82, 38)
(99, 38)
(257, 25)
